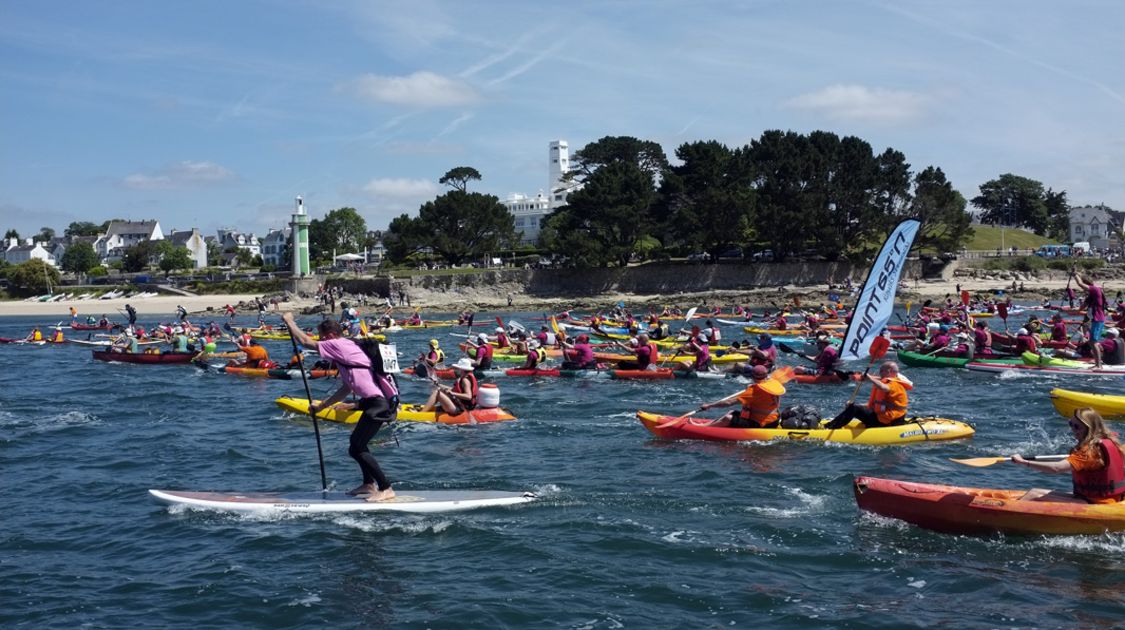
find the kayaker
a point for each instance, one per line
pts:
(579, 355)
(181, 312)
(536, 355)
(826, 358)
(502, 338)
(713, 332)
(73, 314)
(416, 319)
(1109, 351)
(982, 338)
(459, 398)
(760, 403)
(179, 340)
(57, 336)
(939, 338)
(1095, 303)
(126, 342)
(1026, 342)
(483, 359)
(887, 404)
(545, 337)
(1058, 328)
(1096, 463)
(765, 353)
(256, 355)
(35, 335)
(434, 357)
(646, 353)
(377, 393)
(699, 348)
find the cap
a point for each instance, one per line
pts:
(434, 343)
(464, 363)
(583, 338)
(759, 372)
(482, 337)
(1021, 331)
(499, 329)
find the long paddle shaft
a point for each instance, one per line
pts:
(316, 424)
(981, 462)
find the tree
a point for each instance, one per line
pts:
(1058, 215)
(707, 198)
(342, 230)
(11, 233)
(45, 234)
(176, 258)
(941, 209)
(646, 155)
(34, 276)
(1014, 201)
(465, 226)
(458, 178)
(780, 175)
(79, 258)
(606, 220)
(244, 257)
(83, 228)
(405, 237)
(140, 256)
(214, 251)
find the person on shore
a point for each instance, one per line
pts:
(887, 404)
(483, 355)
(1095, 304)
(230, 312)
(579, 355)
(462, 396)
(826, 358)
(760, 403)
(131, 313)
(1096, 463)
(377, 393)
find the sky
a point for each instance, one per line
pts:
(217, 114)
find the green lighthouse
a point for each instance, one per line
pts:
(300, 230)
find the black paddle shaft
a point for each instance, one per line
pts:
(316, 424)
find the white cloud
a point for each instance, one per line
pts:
(863, 104)
(399, 189)
(181, 174)
(421, 89)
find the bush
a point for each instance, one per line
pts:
(97, 272)
(1029, 263)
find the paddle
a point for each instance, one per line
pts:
(878, 349)
(783, 375)
(981, 462)
(308, 393)
(1002, 311)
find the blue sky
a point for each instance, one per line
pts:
(214, 114)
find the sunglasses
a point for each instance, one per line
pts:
(1074, 424)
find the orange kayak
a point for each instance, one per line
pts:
(977, 511)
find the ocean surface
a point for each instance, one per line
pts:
(629, 532)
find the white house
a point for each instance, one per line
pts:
(232, 238)
(193, 241)
(273, 247)
(1094, 224)
(17, 253)
(529, 212)
(121, 235)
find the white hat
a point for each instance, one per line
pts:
(933, 326)
(483, 337)
(499, 329)
(532, 344)
(1112, 332)
(464, 363)
(632, 341)
(177, 330)
(1021, 331)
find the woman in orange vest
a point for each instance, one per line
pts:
(1096, 464)
(887, 405)
(760, 403)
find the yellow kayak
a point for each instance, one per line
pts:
(406, 412)
(1066, 401)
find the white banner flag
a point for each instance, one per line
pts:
(877, 300)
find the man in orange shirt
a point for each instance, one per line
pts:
(760, 402)
(887, 405)
(256, 355)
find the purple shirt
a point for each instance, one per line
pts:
(583, 353)
(354, 366)
(826, 360)
(1095, 302)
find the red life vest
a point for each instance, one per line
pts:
(473, 385)
(1107, 483)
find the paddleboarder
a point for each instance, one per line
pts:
(1096, 464)
(378, 400)
(1095, 304)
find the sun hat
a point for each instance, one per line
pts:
(464, 363)
(434, 343)
(482, 337)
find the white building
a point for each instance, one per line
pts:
(273, 247)
(121, 235)
(17, 253)
(1093, 224)
(193, 241)
(529, 212)
(231, 238)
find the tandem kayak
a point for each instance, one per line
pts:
(148, 358)
(1066, 401)
(406, 412)
(957, 510)
(918, 430)
(917, 359)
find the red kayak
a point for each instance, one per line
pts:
(956, 510)
(148, 358)
(79, 326)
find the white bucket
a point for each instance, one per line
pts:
(488, 396)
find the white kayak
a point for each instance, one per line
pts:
(416, 501)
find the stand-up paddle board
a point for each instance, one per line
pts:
(417, 501)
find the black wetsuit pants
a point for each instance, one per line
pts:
(861, 413)
(376, 412)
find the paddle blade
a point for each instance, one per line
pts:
(786, 348)
(675, 422)
(879, 347)
(784, 375)
(980, 462)
(965, 297)
(908, 305)
(690, 314)
(1002, 310)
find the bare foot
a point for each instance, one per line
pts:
(381, 495)
(367, 488)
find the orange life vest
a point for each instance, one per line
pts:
(474, 387)
(890, 406)
(760, 402)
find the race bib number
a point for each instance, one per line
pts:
(389, 354)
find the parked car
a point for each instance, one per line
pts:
(734, 253)
(700, 257)
(766, 255)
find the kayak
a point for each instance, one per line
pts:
(109, 342)
(148, 358)
(916, 359)
(826, 379)
(1108, 370)
(1109, 406)
(957, 510)
(406, 412)
(928, 429)
(79, 326)
(275, 373)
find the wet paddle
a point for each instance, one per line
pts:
(981, 462)
(312, 414)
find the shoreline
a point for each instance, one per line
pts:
(495, 298)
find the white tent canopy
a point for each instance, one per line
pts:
(349, 257)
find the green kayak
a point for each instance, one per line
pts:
(915, 359)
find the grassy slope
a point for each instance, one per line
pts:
(987, 237)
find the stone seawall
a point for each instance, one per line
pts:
(650, 279)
